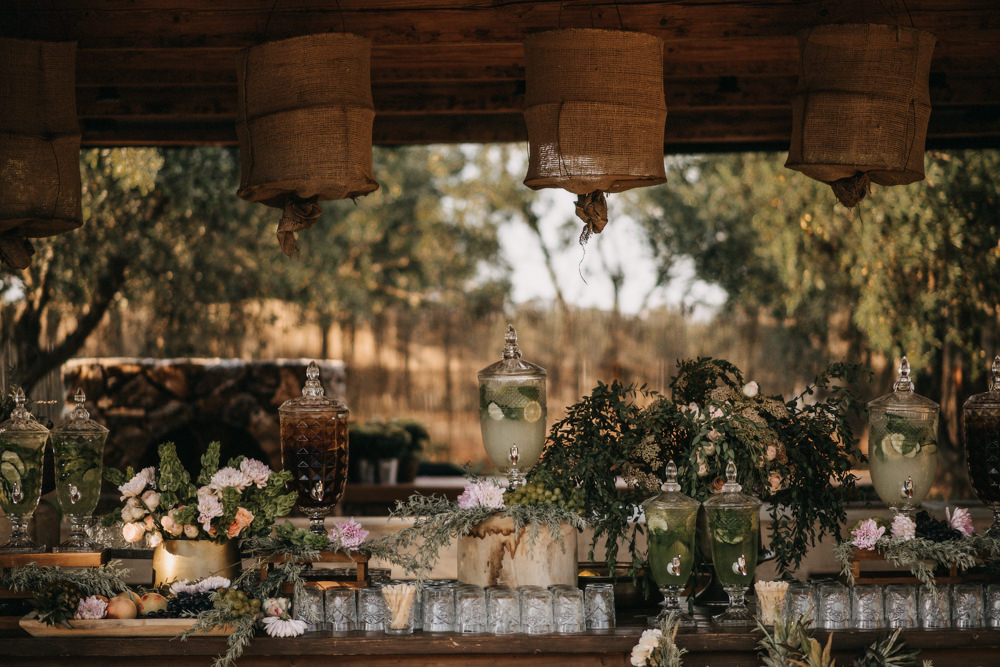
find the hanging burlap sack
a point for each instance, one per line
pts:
(305, 126)
(39, 145)
(861, 108)
(595, 113)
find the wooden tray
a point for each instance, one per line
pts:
(112, 627)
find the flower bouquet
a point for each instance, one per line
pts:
(239, 500)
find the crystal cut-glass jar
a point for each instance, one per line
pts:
(78, 453)
(981, 430)
(22, 449)
(734, 532)
(671, 522)
(902, 444)
(512, 411)
(314, 448)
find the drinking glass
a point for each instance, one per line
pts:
(833, 605)
(308, 607)
(599, 606)
(401, 603)
(901, 606)
(993, 605)
(800, 602)
(536, 610)
(771, 598)
(867, 607)
(470, 609)
(439, 608)
(967, 606)
(934, 607)
(567, 609)
(503, 610)
(341, 606)
(371, 609)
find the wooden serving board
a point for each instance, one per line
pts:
(112, 627)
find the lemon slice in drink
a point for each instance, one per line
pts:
(532, 411)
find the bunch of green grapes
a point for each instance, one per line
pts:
(236, 602)
(536, 493)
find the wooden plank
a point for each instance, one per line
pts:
(65, 559)
(208, 23)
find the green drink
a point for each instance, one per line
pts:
(78, 446)
(734, 545)
(733, 529)
(671, 520)
(22, 447)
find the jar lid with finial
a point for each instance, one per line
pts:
(670, 498)
(22, 428)
(731, 496)
(79, 423)
(313, 399)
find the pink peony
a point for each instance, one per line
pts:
(481, 494)
(349, 535)
(960, 520)
(903, 527)
(867, 534)
(256, 471)
(91, 608)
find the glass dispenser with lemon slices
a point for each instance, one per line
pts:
(902, 444)
(78, 453)
(512, 411)
(22, 448)
(671, 519)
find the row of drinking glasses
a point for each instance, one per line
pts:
(399, 607)
(834, 606)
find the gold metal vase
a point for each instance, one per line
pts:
(175, 560)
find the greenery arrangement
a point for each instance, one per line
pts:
(796, 455)
(240, 500)
(380, 439)
(56, 590)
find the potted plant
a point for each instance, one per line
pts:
(379, 447)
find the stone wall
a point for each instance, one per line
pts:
(192, 402)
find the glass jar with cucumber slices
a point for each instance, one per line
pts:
(902, 444)
(22, 448)
(78, 449)
(734, 529)
(671, 519)
(512, 411)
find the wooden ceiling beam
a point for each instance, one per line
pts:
(237, 24)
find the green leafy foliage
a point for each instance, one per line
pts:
(57, 591)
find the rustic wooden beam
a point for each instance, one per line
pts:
(229, 23)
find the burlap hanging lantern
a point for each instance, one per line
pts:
(861, 108)
(39, 145)
(595, 113)
(305, 126)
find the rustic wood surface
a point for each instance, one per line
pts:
(163, 72)
(965, 648)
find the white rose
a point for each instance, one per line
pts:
(191, 530)
(133, 511)
(171, 526)
(151, 499)
(154, 540)
(751, 389)
(133, 532)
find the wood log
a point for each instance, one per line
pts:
(495, 553)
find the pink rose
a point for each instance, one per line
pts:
(776, 481)
(240, 521)
(151, 499)
(154, 539)
(133, 532)
(190, 530)
(771, 452)
(171, 526)
(149, 522)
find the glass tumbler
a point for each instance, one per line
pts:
(536, 610)
(371, 609)
(833, 605)
(439, 608)
(341, 607)
(993, 605)
(400, 607)
(901, 606)
(599, 606)
(934, 607)
(470, 609)
(800, 601)
(308, 607)
(503, 610)
(867, 611)
(567, 609)
(967, 606)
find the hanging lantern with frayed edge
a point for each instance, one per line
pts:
(861, 108)
(595, 113)
(40, 188)
(305, 126)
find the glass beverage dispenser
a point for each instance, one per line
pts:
(22, 448)
(981, 429)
